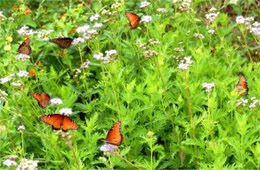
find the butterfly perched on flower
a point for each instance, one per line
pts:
(241, 86)
(133, 19)
(62, 42)
(25, 47)
(59, 121)
(114, 135)
(43, 99)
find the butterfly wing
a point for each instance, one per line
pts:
(68, 124)
(133, 19)
(242, 86)
(62, 42)
(114, 135)
(55, 120)
(25, 47)
(43, 99)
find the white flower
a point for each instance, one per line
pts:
(208, 86)
(98, 56)
(108, 147)
(21, 128)
(161, 10)
(82, 29)
(146, 18)
(242, 102)
(211, 31)
(115, 5)
(78, 40)
(25, 31)
(185, 63)
(16, 84)
(94, 17)
(22, 73)
(212, 9)
(9, 163)
(178, 49)
(240, 20)
(212, 16)
(55, 101)
(66, 111)
(92, 31)
(98, 25)
(3, 93)
(6, 79)
(255, 31)
(198, 35)
(150, 53)
(26, 164)
(85, 65)
(144, 4)
(111, 52)
(154, 41)
(255, 102)
(22, 57)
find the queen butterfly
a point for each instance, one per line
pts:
(241, 86)
(133, 19)
(43, 99)
(114, 135)
(25, 47)
(62, 42)
(58, 121)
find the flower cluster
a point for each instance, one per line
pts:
(148, 53)
(27, 164)
(146, 18)
(6, 79)
(107, 58)
(85, 65)
(23, 73)
(208, 86)
(55, 101)
(3, 95)
(253, 27)
(161, 10)
(66, 137)
(42, 34)
(253, 102)
(185, 5)
(21, 128)
(22, 57)
(185, 63)
(108, 148)
(16, 84)
(212, 15)
(144, 4)
(242, 102)
(10, 161)
(65, 111)
(199, 35)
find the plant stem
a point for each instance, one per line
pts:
(130, 163)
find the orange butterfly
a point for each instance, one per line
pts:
(133, 19)
(114, 135)
(25, 47)
(43, 99)
(62, 42)
(242, 86)
(58, 121)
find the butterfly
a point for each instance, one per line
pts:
(114, 136)
(242, 86)
(62, 42)
(25, 47)
(133, 19)
(58, 121)
(43, 99)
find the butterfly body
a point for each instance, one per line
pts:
(62, 42)
(43, 99)
(58, 121)
(114, 135)
(241, 86)
(25, 47)
(133, 19)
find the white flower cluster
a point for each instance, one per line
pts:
(212, 15)
(22, 57)
(115, 5)
(16, 84)
(3, 95)
(94, 17)
(55, 101)
(253, 102)
(185, 63)
(42, 34)
(2, 17)
(27, 164)
(6, 79)
(208, 86)
(85, 65)
(242, 102)
(211, 31)
(185, 6)
(108, 148)
(199, 35)
(144, 4)
(10, 161)
(65, 111)
(107, 58)
(179, 49)
(146, 18)
(21, 128)
(22, 73)
(248, 22)
(161, 10)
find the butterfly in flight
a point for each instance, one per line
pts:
(43, 99)
(25, 47)
(59, 121)
(62, 42)
(241, 86)
(133, 19)
(114, 136)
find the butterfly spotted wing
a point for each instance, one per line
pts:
(241, 86)
(25, 47)
(58, 121)
(114, 135)
(43, 99)
(133, 19)
(62, 42)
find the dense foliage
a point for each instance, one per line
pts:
(152, 78)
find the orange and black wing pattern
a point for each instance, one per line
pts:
(25, 47)
(114, 135)
(43, 99)
(58, 121)
(133, 19)
(62, 42)
(241, 86)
